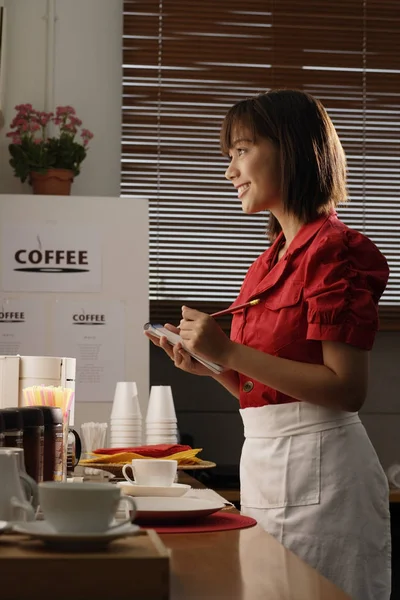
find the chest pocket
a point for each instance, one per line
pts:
(284, 316)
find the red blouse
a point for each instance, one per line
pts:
(326, 287)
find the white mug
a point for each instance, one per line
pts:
(29, 485)
(152, 472)
(81, 507)
(16, 487)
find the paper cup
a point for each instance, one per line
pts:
(161, 405)
(155, 428)
(151, 441)
(132, 428)
(126, 402)
(126, 438)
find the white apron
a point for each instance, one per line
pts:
(310, 477)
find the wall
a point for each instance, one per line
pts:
(87, 74)
(87, 57)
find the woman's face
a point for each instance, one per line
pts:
(254, 170)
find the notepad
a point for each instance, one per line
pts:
(174, 338)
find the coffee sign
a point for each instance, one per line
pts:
(88, 319)
(51, 258)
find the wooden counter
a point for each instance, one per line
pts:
(245, 564)
(394, 495)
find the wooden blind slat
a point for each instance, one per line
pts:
(185, 63)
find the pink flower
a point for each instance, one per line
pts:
(20, 124)
(44, 117)
(86, 134)
(64, 111)
(23, 107)
(29, 128)
(69, 128)
(75, 121)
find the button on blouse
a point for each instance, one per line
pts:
(248, 386)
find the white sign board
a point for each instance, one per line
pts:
(22, 326)
(94, 333)
(51, 258)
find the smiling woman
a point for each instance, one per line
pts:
(297, 360)
(305, 168)
(254, 170)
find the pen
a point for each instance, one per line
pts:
(227, 311)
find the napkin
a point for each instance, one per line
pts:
(155, 451)
(185, 456)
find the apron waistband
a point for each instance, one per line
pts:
(294, 418)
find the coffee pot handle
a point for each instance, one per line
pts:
(30, 488)
(78, 446)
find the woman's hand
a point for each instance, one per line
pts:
(202, 335)
(181, 358)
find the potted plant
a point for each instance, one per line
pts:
(49, 161)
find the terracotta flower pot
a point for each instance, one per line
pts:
(56, 182)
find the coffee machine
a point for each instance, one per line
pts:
(18, 372)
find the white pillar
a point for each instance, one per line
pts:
(24, 72)
(87, 74)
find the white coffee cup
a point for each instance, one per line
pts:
(75, 507)
(152, 472)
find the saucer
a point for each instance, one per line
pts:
(41, 530)
(5, 526)
(134, 489)
(150, 509)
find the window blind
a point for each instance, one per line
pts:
(186, 63)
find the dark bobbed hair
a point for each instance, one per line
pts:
(312, 159)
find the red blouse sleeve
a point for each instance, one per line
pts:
(346, 275)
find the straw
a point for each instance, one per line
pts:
(48, 395)
(93, 437)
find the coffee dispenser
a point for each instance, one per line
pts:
(19, 372)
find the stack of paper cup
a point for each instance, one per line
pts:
(126, 418)
(161, 422)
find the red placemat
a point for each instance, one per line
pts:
(215, 522)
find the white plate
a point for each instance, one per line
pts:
(134, 489)
(41, 530)
(174, 509)
(5, 526)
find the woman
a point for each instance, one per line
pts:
(298, 359)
